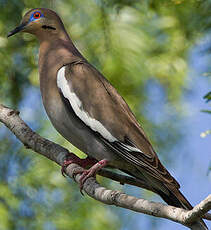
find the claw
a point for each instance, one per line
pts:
(90, 172)
(85, 173)
(76, 172)
(64, 165)
(71, 158)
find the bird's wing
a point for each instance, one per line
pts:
(96, 102)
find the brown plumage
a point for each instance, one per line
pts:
(88, 111)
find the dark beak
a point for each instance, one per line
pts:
(17, 29)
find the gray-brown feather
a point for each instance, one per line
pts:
(104, 104)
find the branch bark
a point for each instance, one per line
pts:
(58, 154)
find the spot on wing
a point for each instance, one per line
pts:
(77, 106)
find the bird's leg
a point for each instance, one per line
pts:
(72, 158)
(86, 173)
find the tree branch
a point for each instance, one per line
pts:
(199, 210)
(58, 154)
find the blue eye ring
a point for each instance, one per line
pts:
(36, 15)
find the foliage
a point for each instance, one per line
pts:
(141, 47)
(207, 97)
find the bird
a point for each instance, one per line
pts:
(88, 111)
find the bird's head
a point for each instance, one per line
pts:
(41, 22)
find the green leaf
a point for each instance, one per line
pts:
(206, 111)
(207, 97)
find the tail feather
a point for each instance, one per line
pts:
(177, 199)
(169, 193)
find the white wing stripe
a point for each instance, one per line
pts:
(77, 107)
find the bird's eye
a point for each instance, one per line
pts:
(36, 15)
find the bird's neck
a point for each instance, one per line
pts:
(53, 54)
(58, 52)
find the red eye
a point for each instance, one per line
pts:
(37, 15)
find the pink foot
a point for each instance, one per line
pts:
(71, 158)
(86, 173)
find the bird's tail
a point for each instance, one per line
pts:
(177, 199)
(170, 194)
